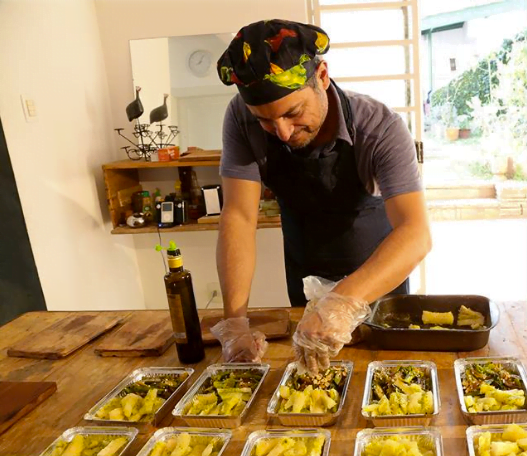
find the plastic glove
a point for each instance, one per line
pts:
(239, 344)
(324, 329)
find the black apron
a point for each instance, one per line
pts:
(330, 223)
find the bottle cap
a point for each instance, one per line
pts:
(173, 249)
(173, 254)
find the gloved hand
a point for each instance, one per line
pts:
(238, 342)
(325, 327)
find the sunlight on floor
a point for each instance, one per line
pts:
(486, 257)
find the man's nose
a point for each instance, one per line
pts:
(283, 129)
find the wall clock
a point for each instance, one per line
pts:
(200, 63)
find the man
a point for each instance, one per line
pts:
(344, 170)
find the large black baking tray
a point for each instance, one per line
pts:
(398, 311)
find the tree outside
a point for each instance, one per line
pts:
(476, 124)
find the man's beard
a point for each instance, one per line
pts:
(312, 133)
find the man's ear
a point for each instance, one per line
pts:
(323, 75)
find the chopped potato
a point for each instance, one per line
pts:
(140, 400)
(512, 441)
(90, 445)
(225, 393)
(437, 318)
(400, 445)
(400, 390)
(492, 387)
(187, 444)
(289, 446)
(304, 393)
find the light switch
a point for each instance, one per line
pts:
(29, 108)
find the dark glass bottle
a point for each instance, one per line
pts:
(183, 310)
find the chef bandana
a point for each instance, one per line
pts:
(269, 60)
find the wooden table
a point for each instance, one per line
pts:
(83, 378)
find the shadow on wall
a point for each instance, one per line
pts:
(82, 250)
(95, 161)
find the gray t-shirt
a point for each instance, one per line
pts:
(384, 149)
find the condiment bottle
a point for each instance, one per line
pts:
(183, 309)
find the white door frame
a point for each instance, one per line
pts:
(411, 41)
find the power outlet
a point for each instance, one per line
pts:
(213, 289)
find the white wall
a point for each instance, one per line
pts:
(199, 250)
(194, 113)
(180, 49)
(121, 21)
(51, 51)
(151, 59)
(200, 100)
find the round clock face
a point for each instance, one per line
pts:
(200, 62)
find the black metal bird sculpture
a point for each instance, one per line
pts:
(161, 112)
(135, 109)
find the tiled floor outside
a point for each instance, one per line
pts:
(486, 257)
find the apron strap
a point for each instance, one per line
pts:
(346, 109)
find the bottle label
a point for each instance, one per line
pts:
(178, 319)
(175, 262)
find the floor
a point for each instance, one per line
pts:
(457, 161)
(486, 257)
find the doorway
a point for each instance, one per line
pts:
(473, 82)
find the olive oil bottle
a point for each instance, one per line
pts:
(183, 310)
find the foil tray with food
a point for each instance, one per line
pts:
(281, 442)
(497, 440)
(302, 399)
(491, 390)
(172, 441)
(401, 393)
(141, 399)
(402, 441)
(431, 322)
(90, 441)
(222, 395)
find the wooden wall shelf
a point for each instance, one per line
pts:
(130, 164)
(194, 158)
(184, 228)
(121, 178)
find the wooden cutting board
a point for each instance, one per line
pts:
(17, 399)
(145, 333)
(64, 336)
(274, 323)
(200, 154)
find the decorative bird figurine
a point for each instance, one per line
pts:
(161, 112)
(135, 109)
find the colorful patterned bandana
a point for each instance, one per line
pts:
(268, 60)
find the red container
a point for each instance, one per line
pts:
(163, 154)
(173, 152)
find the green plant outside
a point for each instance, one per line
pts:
(481, 170)
(491, 100)
(476, 82)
